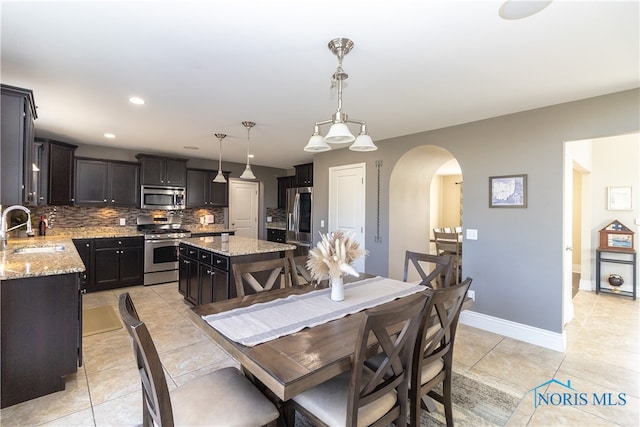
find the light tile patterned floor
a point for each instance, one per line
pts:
(603, 356)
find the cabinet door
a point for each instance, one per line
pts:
(131, 266)
(304, 175)
(206, 284)
(196, 188)
(176, 172)
(193, 290)
(91, 182)
(284, 182)
(221, 285)
(218, 192)
(152, 171)
(60, 174)
(40, 173)
(184, 274)
(107, 262)
(124, 185)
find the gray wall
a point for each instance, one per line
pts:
(265, 174)
(516, 263)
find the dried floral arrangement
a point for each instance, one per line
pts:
(334, 255)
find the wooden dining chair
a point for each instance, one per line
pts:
(433, 356)
(262, 276)
(363, 396)
(439, 268)
(214, 399)
(450, 244)
(299, 268)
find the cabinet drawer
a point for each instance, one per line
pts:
(110, 242)
(206, 257)
(221, 262)
(192, 253)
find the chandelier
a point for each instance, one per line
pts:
(220, 177)
(248, 174)
(339, 132)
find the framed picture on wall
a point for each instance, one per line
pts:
(619, 199)
(508, 191)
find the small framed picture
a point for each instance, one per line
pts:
(508, 191)
(619, 199)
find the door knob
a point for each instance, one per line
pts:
(568, 248)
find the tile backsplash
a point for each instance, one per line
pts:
(79, 216)
(277, 215)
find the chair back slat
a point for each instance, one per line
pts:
(439, 268)
(155, 393)
(262, 276)
(405, 315)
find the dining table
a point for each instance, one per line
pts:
(291, 363)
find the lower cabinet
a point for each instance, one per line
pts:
(118, 262)
(276, 235)
(86, 250)
(204, 276)
(41, 335)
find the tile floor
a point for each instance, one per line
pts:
(603, 356)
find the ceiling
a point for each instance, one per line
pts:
(204, 67)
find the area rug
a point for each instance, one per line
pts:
(474, 404)
(99, 319)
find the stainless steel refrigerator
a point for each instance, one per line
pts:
(299, 218)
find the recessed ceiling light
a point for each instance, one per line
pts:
(190, 147)
(136, 100)
(518, 9)
(109, 135)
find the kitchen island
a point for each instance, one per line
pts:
(206, 264)
(41, 329)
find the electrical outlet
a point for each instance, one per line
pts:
(472, 234)
(123, 221)
(322, 223)
(471, 294)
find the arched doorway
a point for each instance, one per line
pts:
(412, 212)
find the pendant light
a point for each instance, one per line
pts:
(339, 132)
(248, 174)
(220, 177)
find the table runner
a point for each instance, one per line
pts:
(264, 322)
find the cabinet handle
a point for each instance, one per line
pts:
(119, 242)
(87, 245)
(113, 201)
(104, 200)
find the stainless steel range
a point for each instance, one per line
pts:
(161, 239)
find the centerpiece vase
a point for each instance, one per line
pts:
(337, 289)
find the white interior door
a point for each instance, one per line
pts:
(243, 207)
(347, 203)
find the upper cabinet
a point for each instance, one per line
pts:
(203, 192)
(60, 171)
(106, 183)
(284, 182)
(156, 170)
(304, 175)
(18, 112)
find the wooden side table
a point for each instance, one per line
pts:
(629, 259)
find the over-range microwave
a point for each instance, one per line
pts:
(166, 198)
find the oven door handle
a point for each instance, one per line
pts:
(165, 242)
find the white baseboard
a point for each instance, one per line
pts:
(586, 285)
(518, 331)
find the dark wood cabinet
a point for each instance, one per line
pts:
(284, 182)
(60, 172)
(86, 250)
(203, 192)
(118, 262)
(155, 170)
(41, 334)
(18, 113)
(276, 235)
(40, 173)
(304, 175)
(106, 183)
(204, 276)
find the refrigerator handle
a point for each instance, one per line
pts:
(290, 224)
(296, 213)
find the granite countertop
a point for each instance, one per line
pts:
(236, 246)
(94, 232)
(25, 265)
(209, 228)
(277, 225)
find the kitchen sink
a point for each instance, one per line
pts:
(40, 249)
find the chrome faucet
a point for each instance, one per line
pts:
(3, 224)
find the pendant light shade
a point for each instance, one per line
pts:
(220, 177)
(248, 173)
(339, 132)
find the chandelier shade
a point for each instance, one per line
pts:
(220, 177)
(339, 132)
(248, 173)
